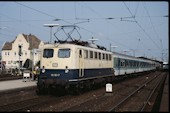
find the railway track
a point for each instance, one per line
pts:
(9, 77)
(25, 105)
(126, 94)
(139, 97)
(123, 92)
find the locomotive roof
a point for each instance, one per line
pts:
(141, 58)
(82, 43)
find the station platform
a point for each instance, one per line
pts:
(14, 84)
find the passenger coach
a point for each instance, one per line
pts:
(125, 64)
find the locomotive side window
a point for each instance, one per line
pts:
(106, 56)
(64, 53)
(91, 54)
(95, 53)
(80, 54)
(86, 54)
(48, 53)
(103, 56)
(99, 56)
(110, 57)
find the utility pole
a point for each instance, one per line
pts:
(51, 26)
(32, 51)
(20, 53)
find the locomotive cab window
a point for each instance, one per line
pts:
(64, 53)
(48, 53)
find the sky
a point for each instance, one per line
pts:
(130, 27)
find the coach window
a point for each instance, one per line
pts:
(64, 53)
(116, 62)
(126, 63)
(122, 63)
(134, 64)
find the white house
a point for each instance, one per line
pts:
(28, 43)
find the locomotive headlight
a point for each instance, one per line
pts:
(66, 70)
(43, 69)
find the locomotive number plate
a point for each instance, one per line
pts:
(55, 75)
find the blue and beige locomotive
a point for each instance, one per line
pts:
(79, 64)
(71, 64)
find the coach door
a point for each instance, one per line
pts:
(81, 63)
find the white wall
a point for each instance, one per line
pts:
(11, 56)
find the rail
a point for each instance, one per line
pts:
(134, 92)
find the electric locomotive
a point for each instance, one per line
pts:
(79, 64)
(74, 63)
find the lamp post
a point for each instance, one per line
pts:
(51, 26)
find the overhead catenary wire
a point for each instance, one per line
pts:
(107, 37)
(142, 27)
(88, 30)
(153, 25)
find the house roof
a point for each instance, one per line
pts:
(32, 39)
(7, 46)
